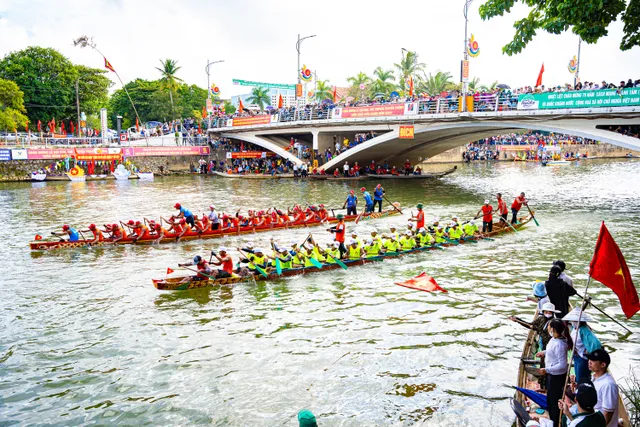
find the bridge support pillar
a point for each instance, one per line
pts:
(315, 133)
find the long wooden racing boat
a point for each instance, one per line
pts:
(39, 245)
(427, 175)
(527, 380)
(186, 282)
(253, 175)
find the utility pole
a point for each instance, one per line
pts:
(206, 70)
(78, 109)
(466, 55)
(298, 50)
(577, 76)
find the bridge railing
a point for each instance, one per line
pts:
(479, 104)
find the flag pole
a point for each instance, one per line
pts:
(573, 350)
(588, 300)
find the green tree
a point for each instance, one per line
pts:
(169, 79)
(229, 108)
(11, 106)
(436, 83)
(384, 82)
(474, 84)
(489, 88)
(408, 66)
(260, 97)
(47, 80)
(355, 82)
(589, 19)
(323, 90)
(192, 98)
(93, 88)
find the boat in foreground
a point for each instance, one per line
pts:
(38, 245)
(184, 283)
(527, 380)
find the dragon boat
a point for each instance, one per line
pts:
(42, 245)
(185, 282)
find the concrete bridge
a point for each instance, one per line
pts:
(433, 132)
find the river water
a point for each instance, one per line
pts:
(87, 339)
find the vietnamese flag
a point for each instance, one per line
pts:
(539, 81)
(204, 113)
(279, 101)
(39, 126)
(108, 65)
(26, 125)
(335, 94)
(169, 270)
(240, 107)
(137, 125)
(422, 282)
(410, 82)
(609, 267)
(62, 130)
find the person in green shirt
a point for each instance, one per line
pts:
(470, 228)
(376, 237)
(354, 251)
(407, 242)
(423, 238)
(371, 248)
(332, 252)
(455, 232)
(440, 234)
(285, 259)
(390, 244)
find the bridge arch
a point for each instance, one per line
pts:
(266, 144)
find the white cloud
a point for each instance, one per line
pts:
(257, 39)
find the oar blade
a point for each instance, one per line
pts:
(278, 267)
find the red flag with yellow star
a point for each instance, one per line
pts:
(108, 65)
(609, 268)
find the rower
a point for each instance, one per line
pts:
(419, 218)
(487, 216)
(185, 213)
(98, 236)
(257, 258)
(375, 237)
(202, 266)
(355, 251)
(159, 233)
(223, 259)
(378, 194)
(73, 234)
(340, 230)
(367, 200)
(434, 225)
(351, 203)
(286, 260)
(249, 248)
(309, 254)
(213, 218)
(516, 205)
(317, 250)
(455, 232)
(390, 244)
(140, 231)
(332, 252)
(423, 238)
(131, 224)
(371, 248)
(409, 228)
(354, 236)
(393, 231)
(298, 260)
(178, 228)
(502, 210)
(407, 242)
(470, 228)
(440, 234)
(117, 233)
(323, 213)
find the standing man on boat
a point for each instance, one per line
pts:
(186, 214)
(487, 217)
(502, 209)
(516, 205)
(419, 218)
(340, 230)
(73, 234)
(214, 218)
(367, 200)
(351, 203)
(606, 387)
(377, 197)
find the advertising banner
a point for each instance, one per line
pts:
(252, 120)
(369, 111)
(517, 147)
(5, 154)
(579, 99)
(263, 84)
(407, 132)
(19, 154)
(63, 153)
(249, 155)
(165, 151)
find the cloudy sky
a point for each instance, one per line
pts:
(256, 38)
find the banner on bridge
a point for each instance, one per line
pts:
(81, 153)
(579, 99)
(5, 154)
(263, 119)
(249, 154)
(382, 110)
(187, 150)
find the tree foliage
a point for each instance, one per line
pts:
(323, 90)
(360, 79)
(260, 97)
(408, 66)
(169, 79)
(589, 19)
(93, 88)
(436, 83)
(11, 106)
(384, 82)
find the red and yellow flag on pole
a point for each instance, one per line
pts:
(609, 267)
(280, 102)
(539, 81)
(335, 94)
(240, 107)
(137, 125)
(108, 65)
(204, 113)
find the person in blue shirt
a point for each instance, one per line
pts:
(73, 234)
(377, 197)
(351, 203)
(186, 214)
(367, 199)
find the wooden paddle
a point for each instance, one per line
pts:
(509, 224)
(340, 263)
(392, 205)
(199, 272)
(534, 218)
(278, 264)
(361, 214)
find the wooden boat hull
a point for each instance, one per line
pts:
(526, 380)
(423, 176)
(253, 176)
(179, 283)
(39, 245)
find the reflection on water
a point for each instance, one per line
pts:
(85, 337)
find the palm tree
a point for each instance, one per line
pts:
(489, 88)
(357, 80)
(384, 82)
(474, 84)
(260, 97)
(169, 79)
(409, 66)
(323, 90)
(435, 84)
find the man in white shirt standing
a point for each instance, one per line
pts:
(345, 169)
(605, 385)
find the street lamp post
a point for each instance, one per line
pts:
(206, 70)
(577, 76)
(415, 59)
(466, 55)
(298, 50)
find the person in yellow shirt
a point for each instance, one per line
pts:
(332, 252)
(423, 238)
(455, 232)
(407, 242)
(390, 244)
(440, 234)
(371, 248)
(354, 236)
(354, 251)
(376, 237)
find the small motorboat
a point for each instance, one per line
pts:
(145, 176)
(38, 176)
(121, 173)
